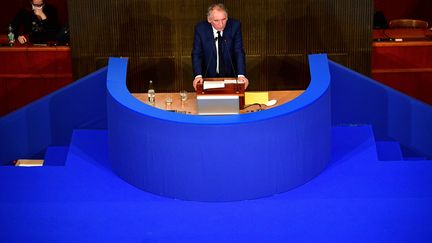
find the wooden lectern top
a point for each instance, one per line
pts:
(231, 88)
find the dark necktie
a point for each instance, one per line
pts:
(221, 63)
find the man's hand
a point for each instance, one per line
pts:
(197, 80)
(245, 80)
(22, 39)
(39, 13)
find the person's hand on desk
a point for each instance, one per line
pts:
(245, 80)
(22, 39)
(198, 80)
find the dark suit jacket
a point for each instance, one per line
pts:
(204, 50)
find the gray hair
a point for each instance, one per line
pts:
(216, 6)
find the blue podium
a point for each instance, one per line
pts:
(219, 158)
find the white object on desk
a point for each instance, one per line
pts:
(213, 84)
(218, 104)
(233, 81)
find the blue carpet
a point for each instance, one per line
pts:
(356, 199)
(56, 155)
(388, 151)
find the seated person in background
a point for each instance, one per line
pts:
(218, 47)
(36, 23)
(379, 20)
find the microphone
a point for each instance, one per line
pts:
(232, 65)
(209, 59)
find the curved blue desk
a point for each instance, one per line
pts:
(219, 158)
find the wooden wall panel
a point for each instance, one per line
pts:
(159, 69)
(278, 35)
(287, 72)
(186, 73)
(254, 68)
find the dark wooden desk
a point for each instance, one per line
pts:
(30, 72)
(408, 34)
(404, 65)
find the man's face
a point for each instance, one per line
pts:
(218, 19)
(37, 3)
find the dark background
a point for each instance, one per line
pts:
(157, 36)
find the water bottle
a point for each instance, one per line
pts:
(151, 93)
(11, 35)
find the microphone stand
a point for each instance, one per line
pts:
(208, 65)
(232, 66)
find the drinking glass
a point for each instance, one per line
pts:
(168, 102)
(183, 95)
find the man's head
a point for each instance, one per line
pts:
(217, 16)
(37, 3)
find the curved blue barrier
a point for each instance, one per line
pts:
(49, 121)
(219, 158)
(393, 115)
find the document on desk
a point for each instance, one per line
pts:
(256, 98)
(232, 81)
(213, 84)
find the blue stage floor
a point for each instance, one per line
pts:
(356, 199)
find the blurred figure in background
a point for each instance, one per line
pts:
(36, 23)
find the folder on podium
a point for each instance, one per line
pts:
(220, 96)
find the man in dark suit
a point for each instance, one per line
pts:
(218, 47)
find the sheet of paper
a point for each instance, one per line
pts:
(232, 81)
(213, 84)
(256, 97)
